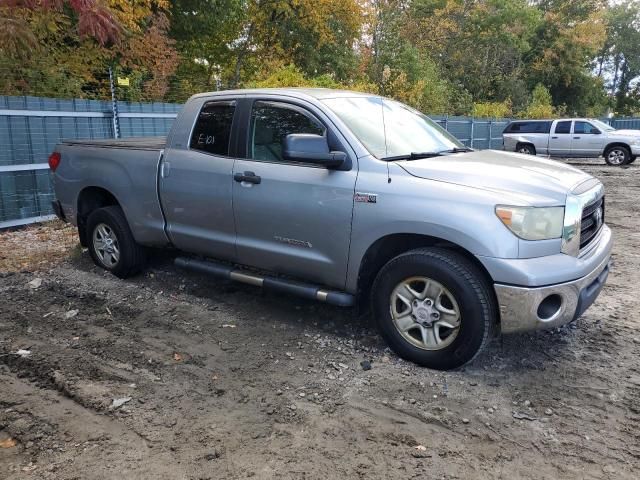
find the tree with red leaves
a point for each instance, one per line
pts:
(94, 20)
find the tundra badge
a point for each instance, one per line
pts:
(365, 197)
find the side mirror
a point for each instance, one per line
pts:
(311, 148)
(595, 131)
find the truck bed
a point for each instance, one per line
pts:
(126, 168)
(135, 143)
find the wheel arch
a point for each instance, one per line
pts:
(616, 144)
(390, 246)
(90, 199)
(528, 143)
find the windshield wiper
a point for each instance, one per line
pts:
(457, 150)
(412, 156)
(419, 155)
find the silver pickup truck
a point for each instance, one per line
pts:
(353, 200)
(572, 137)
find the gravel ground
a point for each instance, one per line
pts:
(173, 375)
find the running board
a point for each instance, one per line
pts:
(305, 290)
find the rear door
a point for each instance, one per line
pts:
(297, 219)
(196, 182)
(560, 139)
(587, 140)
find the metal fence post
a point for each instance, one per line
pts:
(446, 123)
(490, 133)
(472, 133)
(114, 106)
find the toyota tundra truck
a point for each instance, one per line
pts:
(573, 137)
(353, 200)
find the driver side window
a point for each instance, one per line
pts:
(584, 128)
(271, 122)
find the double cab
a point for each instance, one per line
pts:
(350, 199)
(573, 137)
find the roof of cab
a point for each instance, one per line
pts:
(319, 93)
(579, 119)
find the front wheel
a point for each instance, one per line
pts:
(433, 307)
(617, 156)
(111, 243)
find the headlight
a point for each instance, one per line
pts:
(532, 223)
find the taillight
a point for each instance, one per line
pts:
(54, 161)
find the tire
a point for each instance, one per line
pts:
(122, 256)
(633, 159)
(617, 156)
(465, 289)
(526, 149)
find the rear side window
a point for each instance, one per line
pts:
(212, 131)
(563, 127)
(528, 127)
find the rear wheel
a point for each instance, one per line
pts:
(616, 156)
(526, 148)
(433, 307)
(633, 159)
(111, 243)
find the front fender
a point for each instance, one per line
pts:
(457, 214)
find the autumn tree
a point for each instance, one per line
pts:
(94, 20)
(69, 46)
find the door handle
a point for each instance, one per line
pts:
(165, 169)
(555, 138)
(248, 177)
(576, 138)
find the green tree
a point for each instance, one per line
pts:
(478, 44)
(316, 35)
(206, 34)
(570, 36)
(541, 105)
(619, 59)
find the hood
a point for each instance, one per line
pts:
(625, 133)
(531, 180)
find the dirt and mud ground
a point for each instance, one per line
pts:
(222, 381)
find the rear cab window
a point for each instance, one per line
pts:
(212, 131)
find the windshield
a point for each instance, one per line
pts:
(391, 129)
(603, 126)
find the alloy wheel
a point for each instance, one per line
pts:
(425, 313)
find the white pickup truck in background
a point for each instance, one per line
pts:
(572, 137)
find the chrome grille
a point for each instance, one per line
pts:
(592, 221)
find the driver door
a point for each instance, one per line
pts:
(291, 217)
(587, 140)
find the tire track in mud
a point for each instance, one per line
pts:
(266, 395)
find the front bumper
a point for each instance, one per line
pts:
(525, 308)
